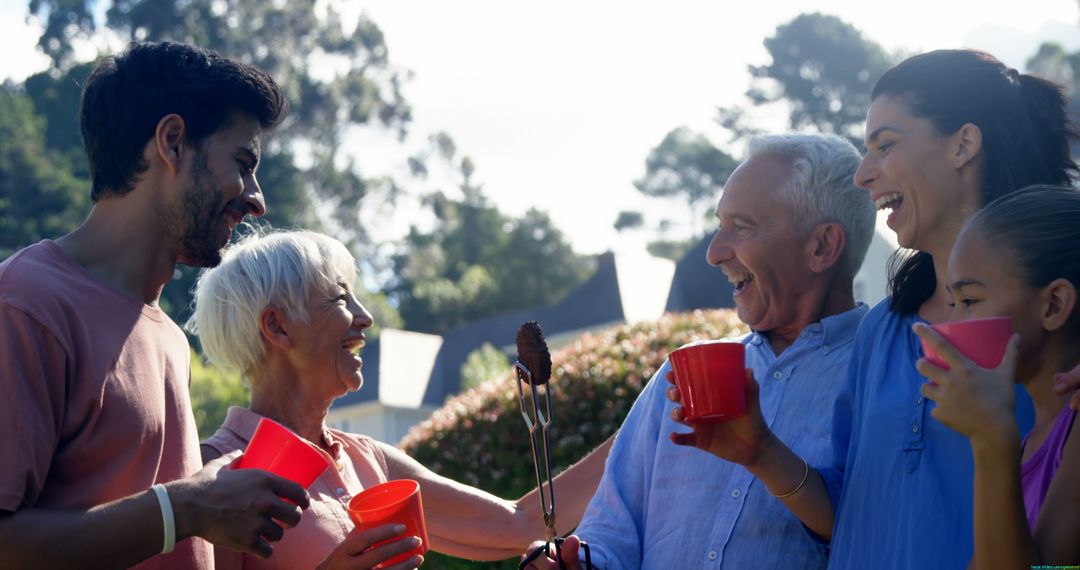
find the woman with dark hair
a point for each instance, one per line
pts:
(947, 132)
(1017, 258)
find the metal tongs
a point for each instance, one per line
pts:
(536, 411)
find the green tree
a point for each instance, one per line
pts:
(687, 166)
(480, 262)
(477, 261)
(212, 392)
(1052, 62)
(483, 364)
(823, 68)
(336, 79)
(39, 195)
(628, 220)
(56, 98)
(671, 249)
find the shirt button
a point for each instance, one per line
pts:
(712, 555)
(919, 400)
(825, 348)
(915, 428)
(736, 493)
(778, 375)
(340, 491)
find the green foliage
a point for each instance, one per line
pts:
(212, 392)
(671, 249)
(483, 364)
(1052, 62)
(57, 97)
(686, 164)
(39, 195)
(824, 68)
(335, 79)
(480, 262)
(478, 437)
(628, 220)
(477, 261)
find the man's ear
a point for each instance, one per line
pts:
(273, 327)
(170, 138)
(1058, 302)
(825, 247)
(966, 145)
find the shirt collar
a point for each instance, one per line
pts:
(841, 328)
(831, 331)
(242, 422)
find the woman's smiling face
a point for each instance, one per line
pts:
(327, 345)
(908, 169)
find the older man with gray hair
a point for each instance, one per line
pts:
(793, 231)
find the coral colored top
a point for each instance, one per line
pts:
(1037, 472)
(357, 464)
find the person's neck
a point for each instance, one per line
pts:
(825, 298)
(277, 399)
(127, 251)
(936, 309)
(1057, 355)
(940, 241)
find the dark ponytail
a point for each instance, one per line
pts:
(1025, 130)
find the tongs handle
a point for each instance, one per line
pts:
(546, 551)
(538, 424)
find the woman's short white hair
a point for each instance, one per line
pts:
(822, 187)
(268, 268)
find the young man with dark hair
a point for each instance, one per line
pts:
(100, 464)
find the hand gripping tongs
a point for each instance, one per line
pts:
(533, 369)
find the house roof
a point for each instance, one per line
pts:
(698, 285)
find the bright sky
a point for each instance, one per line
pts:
(558, 103)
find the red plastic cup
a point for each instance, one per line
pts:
(981, 340)
(711, 380)
(281, 452)
(389, 503)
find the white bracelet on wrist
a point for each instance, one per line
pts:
(167, 519)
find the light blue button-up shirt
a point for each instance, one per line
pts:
(663, 506)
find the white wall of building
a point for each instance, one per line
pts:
(872, 280)
(377, 421)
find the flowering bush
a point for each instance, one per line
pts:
(479, 437)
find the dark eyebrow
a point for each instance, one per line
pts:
(965, 283)
(873, 137)
(250, 154)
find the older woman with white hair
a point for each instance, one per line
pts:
(281, 309)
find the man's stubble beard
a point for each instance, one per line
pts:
(200, 216)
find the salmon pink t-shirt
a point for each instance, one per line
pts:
(357, 464)
(94, 402)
